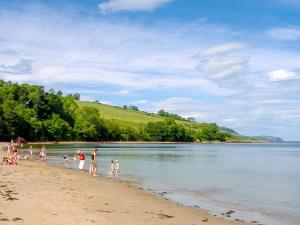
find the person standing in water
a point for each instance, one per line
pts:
(93, 163)
(30, 151)
(43, 153)
(117, 169)
(75, 158)
(66, 158)
(81, 157)
(112, 172)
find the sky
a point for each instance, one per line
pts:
(231, 62)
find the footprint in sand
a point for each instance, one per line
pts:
(17, 219)
(105, 211)
(161, 215)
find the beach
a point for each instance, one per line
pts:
(37, 193)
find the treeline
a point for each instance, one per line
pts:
(163, 113)
(38, 115)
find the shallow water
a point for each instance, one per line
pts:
(260, 182)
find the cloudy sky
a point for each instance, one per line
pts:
(233, 62)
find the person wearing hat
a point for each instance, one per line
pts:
(81, 157)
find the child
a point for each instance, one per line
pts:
(75, 158)
(66, 159)
(117, 169)
(30, 151)
(8, 149)
(112, 172)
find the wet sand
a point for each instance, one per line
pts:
(35, 193)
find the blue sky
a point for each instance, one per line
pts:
(233, 62)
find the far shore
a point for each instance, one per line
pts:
(35, 193)
(135, 142)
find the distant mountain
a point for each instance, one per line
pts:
(269, 139)
(228, 130)
(263, 138)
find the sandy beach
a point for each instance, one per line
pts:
(35, 193)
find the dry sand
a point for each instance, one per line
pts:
(35, 193)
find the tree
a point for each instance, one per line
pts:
(191, 119)
(133, 108)
(89, 126)
(57, 129)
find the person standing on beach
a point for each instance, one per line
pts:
(15, 156)
(81, 157)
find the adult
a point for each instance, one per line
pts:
(81, 157)
(15, 157)
(43, 153)
(93, 163)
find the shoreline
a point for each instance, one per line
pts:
(137, 142)
(39, 193)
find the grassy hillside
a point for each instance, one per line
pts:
(111, 112)
(136, 119)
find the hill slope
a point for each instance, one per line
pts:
(109, 112)
(112, 112)
(137, 118)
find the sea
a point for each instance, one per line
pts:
(259, 183)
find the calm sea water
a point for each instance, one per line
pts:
(259, 181)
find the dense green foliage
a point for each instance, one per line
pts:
(163, 113)
(35, 114)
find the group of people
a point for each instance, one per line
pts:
(13, 153)
(114, 168)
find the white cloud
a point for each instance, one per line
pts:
(17, 78)
(140, 102)
(278, 101)
(278, 75)
(284, 33)
(130, 5)
(222, 63)
(222, 49)
(124, 92)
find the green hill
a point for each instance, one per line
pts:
(112, 112)
(109, 112)
(136, 119)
